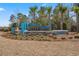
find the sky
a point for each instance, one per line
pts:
(6, 9)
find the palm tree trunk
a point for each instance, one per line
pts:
(61, 22)
(34, 15)
(61, 25)
(77, 23)
(49, 22)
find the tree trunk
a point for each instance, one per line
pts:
(49, 22)
(34, 16)
(61, 25)
(77, 23)
(61, 22)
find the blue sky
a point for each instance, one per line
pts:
(6, 9)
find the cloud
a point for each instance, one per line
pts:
(44, 4)
(2, 9)
(72, 14)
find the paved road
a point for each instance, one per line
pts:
(43, 48)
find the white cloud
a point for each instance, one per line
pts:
(2, 9)
(72, 14)
(44, 4)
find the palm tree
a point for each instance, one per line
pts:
(76, 10)
(49, 9)
(41, 12)
(42, 15)
(33, 11)
(61, 10)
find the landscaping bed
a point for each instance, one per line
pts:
(42, 36)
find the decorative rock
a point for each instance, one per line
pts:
(50, 35)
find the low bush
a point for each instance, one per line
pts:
(76, 37)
